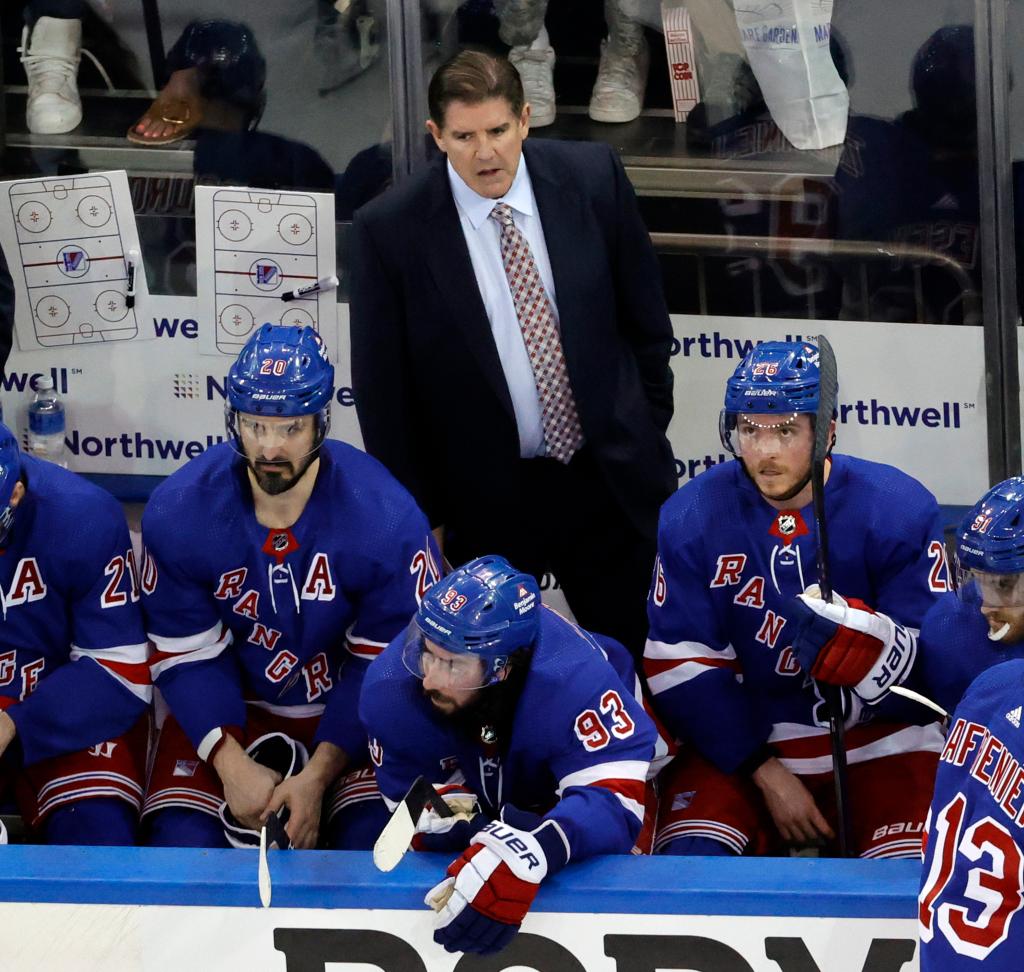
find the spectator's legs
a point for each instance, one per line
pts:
(618, 93)
(522, 27)
(51, 47)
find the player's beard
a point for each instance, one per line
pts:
(275, 483)
(793, 491)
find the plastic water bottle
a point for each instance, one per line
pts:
(46, 422)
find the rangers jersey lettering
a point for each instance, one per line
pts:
(972, 886)
(579, 751)
(73, 656)
(283, 618)
(718, 658)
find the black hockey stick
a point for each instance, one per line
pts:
(828, 391)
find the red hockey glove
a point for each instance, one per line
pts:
(490, 888)
(848, 643)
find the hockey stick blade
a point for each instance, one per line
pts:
(919, 699)
(263, 872)
(395, 838)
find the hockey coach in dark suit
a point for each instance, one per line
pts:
(510, 349)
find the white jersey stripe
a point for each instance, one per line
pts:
(132, 654)
(687, 650)
(912, 739)
(177, 646)
(626, 769)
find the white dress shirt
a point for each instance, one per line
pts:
(483, 239)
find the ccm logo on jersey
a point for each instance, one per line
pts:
(511, 839)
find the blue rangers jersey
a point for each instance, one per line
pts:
(973, 877)
(578, 751)
(73, 669)
(285, 619)
(718, 659)
(954, 649)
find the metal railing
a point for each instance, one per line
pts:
(796, 248)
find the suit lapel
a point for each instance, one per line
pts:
(448, 261)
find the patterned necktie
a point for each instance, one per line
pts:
(562, 433)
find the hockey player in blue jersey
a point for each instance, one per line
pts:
(972, 887)
(74, 683)
(971, 659)
(276, 565)
(492, 694)
(734, 637)
(982, 624)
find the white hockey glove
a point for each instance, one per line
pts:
(449, 834)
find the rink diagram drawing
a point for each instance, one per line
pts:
(72, 256)
(264, 245)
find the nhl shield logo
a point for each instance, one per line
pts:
(788, 525)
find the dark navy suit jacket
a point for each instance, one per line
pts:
(431, 396)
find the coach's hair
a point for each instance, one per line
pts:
(472, 77)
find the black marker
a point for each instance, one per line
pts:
(134, 258)
(321, 286)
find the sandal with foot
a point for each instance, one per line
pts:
(176, 118)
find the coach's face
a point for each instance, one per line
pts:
(483, 142)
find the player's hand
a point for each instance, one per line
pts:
(848, 643)
(248, 786)
(449, 834)
(8, 730)
(489, 889)
(304, 798)
(303, 794)
(796, 815)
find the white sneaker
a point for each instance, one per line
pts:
(618, 93)
(537, 69)
(51, 52)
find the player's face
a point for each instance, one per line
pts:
(483, 142)
(279, 450)
(1002, 604)
(776, 450)
(450, 681)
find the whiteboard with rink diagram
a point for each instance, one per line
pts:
(254, 246)
(67, 241)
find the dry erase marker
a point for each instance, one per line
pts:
(134, 259)
(321, 286)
